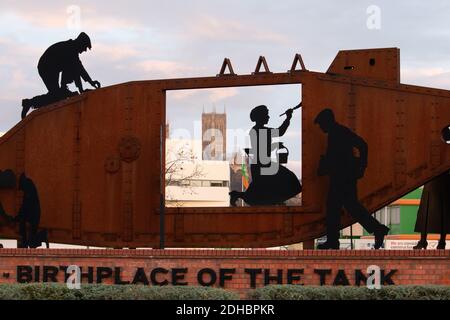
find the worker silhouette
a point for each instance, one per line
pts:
(445, 135)
(272, 183)
(344, 169)
(434, 210)
(28, 216)
(433, 215)
(61, 60)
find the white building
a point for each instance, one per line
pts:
(191, 181)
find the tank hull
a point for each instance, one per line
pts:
(96, 160)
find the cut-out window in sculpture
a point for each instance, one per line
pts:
(235, 147)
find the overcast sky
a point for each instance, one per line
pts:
(135, 40)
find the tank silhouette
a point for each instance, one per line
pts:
(95, 158)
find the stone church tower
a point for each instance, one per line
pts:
(214, 136)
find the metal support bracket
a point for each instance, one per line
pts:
(226, 63)
(262, 62)
(297, 59)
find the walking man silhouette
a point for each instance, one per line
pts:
(344, 169)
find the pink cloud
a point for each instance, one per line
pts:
(216, 95)
(428, 77)
(164, 68)
(59, 15)
(116, 52)
(226, 29)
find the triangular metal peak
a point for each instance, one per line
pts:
(297, 59)
(226, 63)
(261, 62)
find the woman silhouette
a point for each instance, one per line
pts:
(434, 210)
(433, 215)
(272, 183)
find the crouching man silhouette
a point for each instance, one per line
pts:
(29, 216)
(61, 58)
(344, 169)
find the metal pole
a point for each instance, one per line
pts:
(242, 179)
(351, 237)
(162, 204)
(386, 215)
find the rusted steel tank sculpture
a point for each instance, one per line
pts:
(95, 158)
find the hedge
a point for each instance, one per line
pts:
(276, 292)
(111, 292)
(293, 292)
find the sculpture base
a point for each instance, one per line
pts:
(238, 270)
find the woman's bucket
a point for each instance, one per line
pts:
(282, 157)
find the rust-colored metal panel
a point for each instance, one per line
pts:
(95, 158)
(379, 64)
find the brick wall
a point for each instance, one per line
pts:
(297, 267)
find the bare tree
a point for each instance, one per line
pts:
(177, 157)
